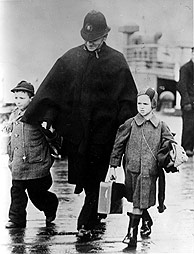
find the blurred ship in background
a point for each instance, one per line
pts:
(152, 64)
(155, 65)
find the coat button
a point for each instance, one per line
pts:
(16, 135)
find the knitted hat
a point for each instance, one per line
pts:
(153, 95)
(24, 86)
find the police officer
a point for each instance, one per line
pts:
(86, 95)
(185, 87)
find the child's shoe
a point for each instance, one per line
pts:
(12, 224)
(147, 223)
(131, 237)
(145, 230)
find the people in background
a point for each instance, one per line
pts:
(185, 86)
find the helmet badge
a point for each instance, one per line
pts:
(89, 27)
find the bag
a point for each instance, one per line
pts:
(178, 155)
(110, 197)
(118, 192)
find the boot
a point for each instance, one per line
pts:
(131, 237)
(147, 222)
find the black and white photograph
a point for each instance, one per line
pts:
(96, 126)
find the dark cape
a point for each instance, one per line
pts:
(86, 96)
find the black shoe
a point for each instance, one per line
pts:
(126, 239)
(102, 216)
(84, 234)
(50, 219)
(189, 153)
(132, 242)
(145, 230)
(147, 223)
(78, 189)
(12, 224)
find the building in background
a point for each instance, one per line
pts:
(154, 64)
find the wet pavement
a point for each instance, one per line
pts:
(172, 232)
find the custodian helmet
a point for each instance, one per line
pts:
(94, 26)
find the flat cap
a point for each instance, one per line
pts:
(24, 86)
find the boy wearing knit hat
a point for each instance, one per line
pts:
(139, 140)
(30, 162)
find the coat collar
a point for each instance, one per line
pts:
(97, 51)
(140, 120)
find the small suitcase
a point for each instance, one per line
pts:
(110, 197)
(104, 201)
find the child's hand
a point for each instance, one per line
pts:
(171, 163)
(112, 173)
(7, 127)
(45, 125)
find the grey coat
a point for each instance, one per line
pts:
(139, 140)
(29, 155)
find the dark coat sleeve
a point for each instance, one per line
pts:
(45, 105)
(185, 84)
(163, 154)
(127, 97)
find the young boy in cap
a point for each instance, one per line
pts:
(140, 139)
(30, 162)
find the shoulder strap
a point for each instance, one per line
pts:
(148, 145)
(130, 121)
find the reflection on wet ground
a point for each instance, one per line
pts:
(172, 231)
(174, 227)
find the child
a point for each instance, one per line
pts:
(139, 139)
(30, 162)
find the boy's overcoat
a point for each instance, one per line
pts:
(29, 154)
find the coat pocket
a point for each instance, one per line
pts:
(35, 153)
